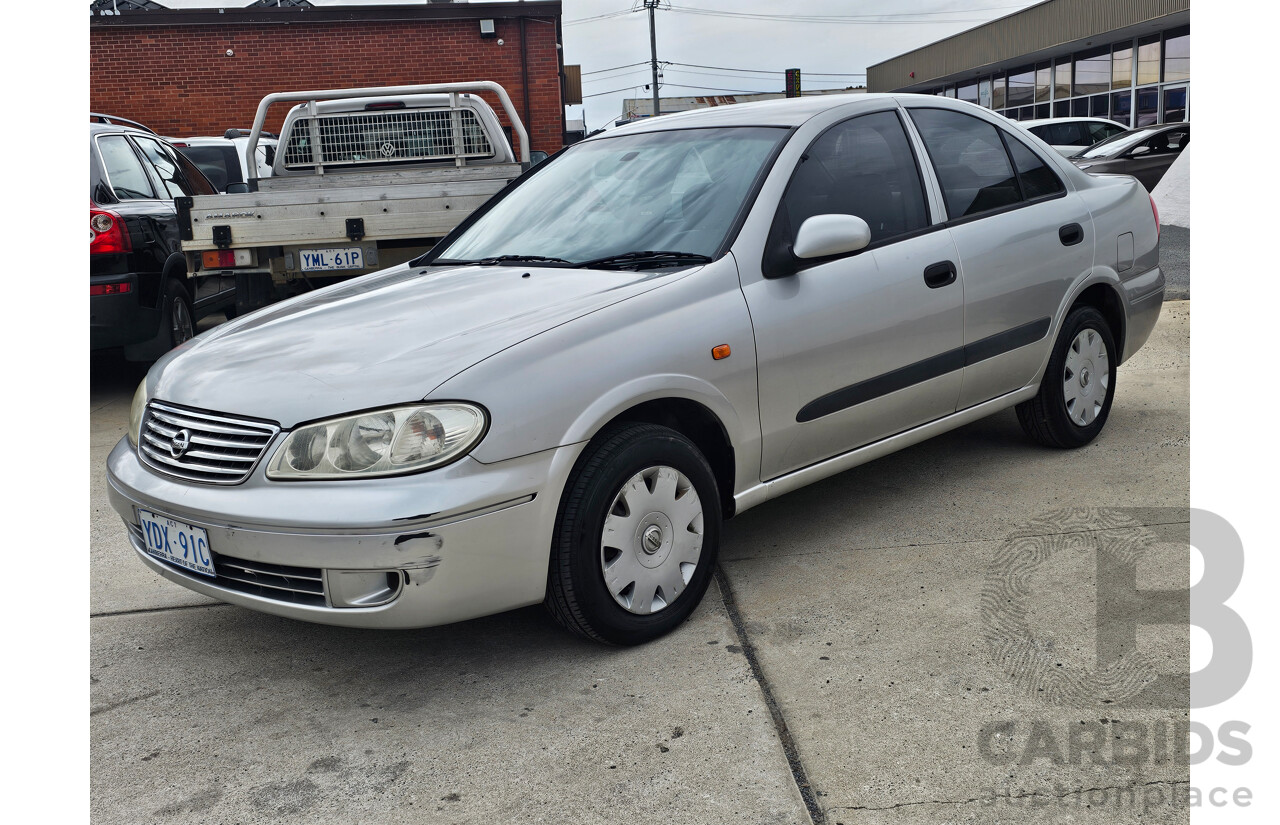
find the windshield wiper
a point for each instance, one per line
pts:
(645, 258)
(495, 260)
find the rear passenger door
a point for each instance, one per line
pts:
(1023, 239)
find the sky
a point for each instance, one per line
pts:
(840, 37)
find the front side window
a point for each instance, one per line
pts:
(124, 169)
(969, 157)
(676, 191)
(862, 167)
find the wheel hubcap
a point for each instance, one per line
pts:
(183, 329)
(652, 540)
(1086, 377)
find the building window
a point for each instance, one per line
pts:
(1093, 72)
(1062, 79)
(1177, 55)
(984, 93)
(1122, 66)
(1098, 106)
(1121, 103)
(998, 99)
(1149, 60)
(969, 93)
(1080, 107)
(1062, 108)
(1044, 83)
(1042, 111)
(1175, 104)
(1148, 107)
(1022, 88)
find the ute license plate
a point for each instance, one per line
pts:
(328, 260)
(176, 542)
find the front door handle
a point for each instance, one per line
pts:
(1071, 234)
(940, 274)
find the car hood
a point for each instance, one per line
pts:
(387, 338)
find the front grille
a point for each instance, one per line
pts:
(278, 582)
(387, 137)
(219, 449)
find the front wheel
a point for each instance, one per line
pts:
(1078, 385)
(636, 538)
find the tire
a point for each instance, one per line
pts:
(634, 480)
(1077, 389)
(178, 320)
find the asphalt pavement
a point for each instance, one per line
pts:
(872, 652)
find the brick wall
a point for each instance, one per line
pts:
(178, 79)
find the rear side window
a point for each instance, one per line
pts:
(123, 168)
(864, 167)
(1102, 131)
(166, 168)
(970, 160)
(1034, 176)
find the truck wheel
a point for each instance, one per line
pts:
(636, 538)
(1076, 392)
(179, 316)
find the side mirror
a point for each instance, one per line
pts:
(824, 235)
(237, 188)
(1138, 151)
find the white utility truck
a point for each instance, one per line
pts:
(363, 179)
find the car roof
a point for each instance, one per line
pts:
(1044, 120)
(118, 128)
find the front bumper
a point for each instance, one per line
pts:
(467, 540)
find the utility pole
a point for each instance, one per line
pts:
(651, 5)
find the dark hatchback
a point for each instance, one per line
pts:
(1146, 153)
(140, 298)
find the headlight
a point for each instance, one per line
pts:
(379, 443)
(136, 410)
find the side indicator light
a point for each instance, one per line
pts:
(721, 352)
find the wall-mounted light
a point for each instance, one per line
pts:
(231, 53)
(487, 29)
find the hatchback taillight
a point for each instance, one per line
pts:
(107, 233)
(1155, 213)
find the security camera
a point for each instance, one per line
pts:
(501, 41)
(231, 53)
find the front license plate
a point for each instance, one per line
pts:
(176, 542)
(325, 260)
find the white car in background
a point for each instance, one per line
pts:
(222, 159)
(1071, 135)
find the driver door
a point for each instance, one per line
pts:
(857, 347)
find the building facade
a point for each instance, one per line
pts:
(202, 71)
(1124, 60)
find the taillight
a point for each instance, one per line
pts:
(1155, 212)
(223, 258)
(106, 232)
(110, 289)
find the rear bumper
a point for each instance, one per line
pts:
(119, 320)
(1144, 296)
(468, 540)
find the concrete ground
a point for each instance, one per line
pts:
(860, 659)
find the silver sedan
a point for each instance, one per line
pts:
(662, 327)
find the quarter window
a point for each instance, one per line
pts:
(166, 166)
(1036, 178)
(969, 157)
(124, 170)
(861, 167)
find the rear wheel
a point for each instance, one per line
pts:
(179, 316)
(1075, 395)
(636, 537)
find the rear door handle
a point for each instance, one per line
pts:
(1071, 234)
(940, 274)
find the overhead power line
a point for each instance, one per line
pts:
(888, 18)
(767, 71)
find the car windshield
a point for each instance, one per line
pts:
(1116, 144)
(677, 192)
(220, 164)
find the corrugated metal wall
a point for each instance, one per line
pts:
(1038, 27)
